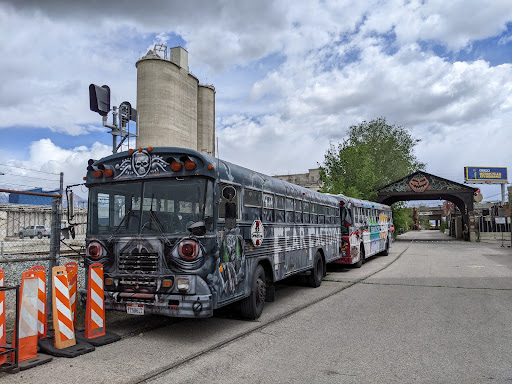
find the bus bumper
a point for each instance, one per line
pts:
(344, 260)
(172, 305)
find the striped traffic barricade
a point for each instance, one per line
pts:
(64, 330)
(3, 358)
(95, 331)
(41, 301)
(95, 306)
(28, 316)
(63, 342)
(72, 270)
(27, 323)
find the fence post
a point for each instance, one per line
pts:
(510, 210)
(55, 234)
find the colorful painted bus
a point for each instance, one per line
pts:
(366, 230)
(181, 233)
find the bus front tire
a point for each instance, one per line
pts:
(252, 306)
(317, 273)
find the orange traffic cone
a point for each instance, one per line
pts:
(95, 306)
(62, 321)
(3, 358)
(41, 302)
(72, 269)
(27, 348)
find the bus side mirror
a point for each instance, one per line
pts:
(198, 228)
(230, 215)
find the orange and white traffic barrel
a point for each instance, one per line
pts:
(95, 305)
(27, 348)
(72, 270)
(41, 301)
(3, 358)
(62, 319)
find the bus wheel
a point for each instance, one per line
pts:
(386, 251)
(361, 258)
(315, 279)
(252, 306)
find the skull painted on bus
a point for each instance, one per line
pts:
(141, 163)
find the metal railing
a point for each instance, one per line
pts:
(489, 224)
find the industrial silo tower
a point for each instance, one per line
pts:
(174, 109)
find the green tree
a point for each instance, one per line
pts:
(402, 217)
(373, 155)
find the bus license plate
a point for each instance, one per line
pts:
(134, 309)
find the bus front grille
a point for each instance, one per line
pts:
(138, 262)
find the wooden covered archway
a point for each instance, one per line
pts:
(421, 185)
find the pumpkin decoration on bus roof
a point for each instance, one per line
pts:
(140, 164)
(419, 184)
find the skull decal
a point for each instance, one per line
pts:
(141, 162)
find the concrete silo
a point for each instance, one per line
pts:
(206, 119)
(167, 98)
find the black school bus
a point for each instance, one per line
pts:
(181, 233)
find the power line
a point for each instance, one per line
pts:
(26, 186)
(30, 177)
(28, 169)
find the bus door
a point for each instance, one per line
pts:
(230, 274)
(349, 232)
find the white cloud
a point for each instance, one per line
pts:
(44, 164)
(337, 63)
(453, 24)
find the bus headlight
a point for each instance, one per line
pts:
(95, 250)
(186, 255)
(183, 284)
(188, 250)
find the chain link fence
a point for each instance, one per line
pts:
(34, 231)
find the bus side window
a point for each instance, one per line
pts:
(337, 216)
(298, 211)
(328, 218)
(280, 216)
(314, 210)
(252, 204)
(268, 207)
(289, 210)
(321, 214)
(305, 210)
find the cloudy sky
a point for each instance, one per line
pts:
(290, 76)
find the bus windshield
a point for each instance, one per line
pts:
(165, 206)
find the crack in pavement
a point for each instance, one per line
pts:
(435, 286)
